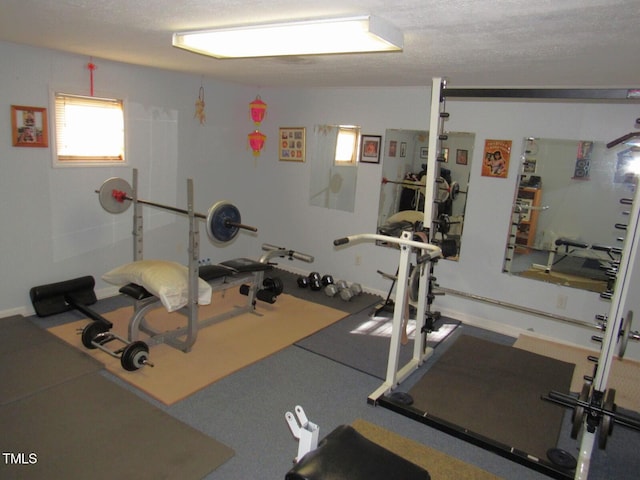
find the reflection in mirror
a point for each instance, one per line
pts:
(567, 194)
(403, 176)
(334, 167)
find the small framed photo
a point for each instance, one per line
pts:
(291, 146)
(370, 148)
(445, 154)
(424, 152)
(29, 126)
(462, 157)
(403, 149)
(393, 148)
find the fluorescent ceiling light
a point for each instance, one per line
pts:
(313, 37)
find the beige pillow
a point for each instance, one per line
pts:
(169, 281)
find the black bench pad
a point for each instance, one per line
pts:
(345, 454)
(246, 265)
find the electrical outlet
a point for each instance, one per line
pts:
(561, 303)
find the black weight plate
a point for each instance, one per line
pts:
(91, 331)
(562, 458)
(219, 214)
(133, 356)
(401, 398)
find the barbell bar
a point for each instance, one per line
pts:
(223, 220)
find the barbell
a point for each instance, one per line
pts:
(223, 219)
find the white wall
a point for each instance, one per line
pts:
(272, 195)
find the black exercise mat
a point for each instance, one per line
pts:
(493, 391)
(366, 351)
(89, 427)
(32, 359)
(290, 284)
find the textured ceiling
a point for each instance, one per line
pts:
(590, 43)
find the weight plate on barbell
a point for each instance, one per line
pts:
(106, 195)
(624, 334)
(218, 218)
(91, 331)
(134, 356)
(579, 411)
(606, 425)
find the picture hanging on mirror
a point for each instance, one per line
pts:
(462, 157)
(496, 157)
(370, 148)
(393, 146)
(292, 144)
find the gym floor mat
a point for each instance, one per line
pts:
(438, 464)
(493, 391)
(31, 359)
(89, 427)
(220, 349)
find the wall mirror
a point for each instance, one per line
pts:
(403, 176)
(334, 167)
(567, 195)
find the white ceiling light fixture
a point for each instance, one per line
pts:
(312, 37)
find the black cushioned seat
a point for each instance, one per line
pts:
(246, 265)
(344, 454)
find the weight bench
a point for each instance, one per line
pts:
(244, 273)
(573, 246)
(345, 454)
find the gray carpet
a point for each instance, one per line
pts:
(493, 391)
(62, 419)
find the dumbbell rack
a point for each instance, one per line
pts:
(595, 409)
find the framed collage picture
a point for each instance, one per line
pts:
(29, 126)
(291, 145)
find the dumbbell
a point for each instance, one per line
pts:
(347, 292)
(273, 285)
(303, 282)
(315, 281)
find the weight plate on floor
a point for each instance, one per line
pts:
(562, 458)
(578, 411)
(401, 398)
(218, 218)
(112, 195)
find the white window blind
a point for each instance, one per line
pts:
(347, 145)
(89, 130)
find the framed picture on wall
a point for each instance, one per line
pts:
(462, 157)
(403, 149)
(29, 126)
(424, 152)
(370, 148)
(291, 146)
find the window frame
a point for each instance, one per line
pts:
(356, 147)
(86, 161)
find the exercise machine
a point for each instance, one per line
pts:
(425, 253)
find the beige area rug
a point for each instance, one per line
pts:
(220, 349)
(439, 465)
(624, 374)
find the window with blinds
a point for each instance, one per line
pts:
(89, 130)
